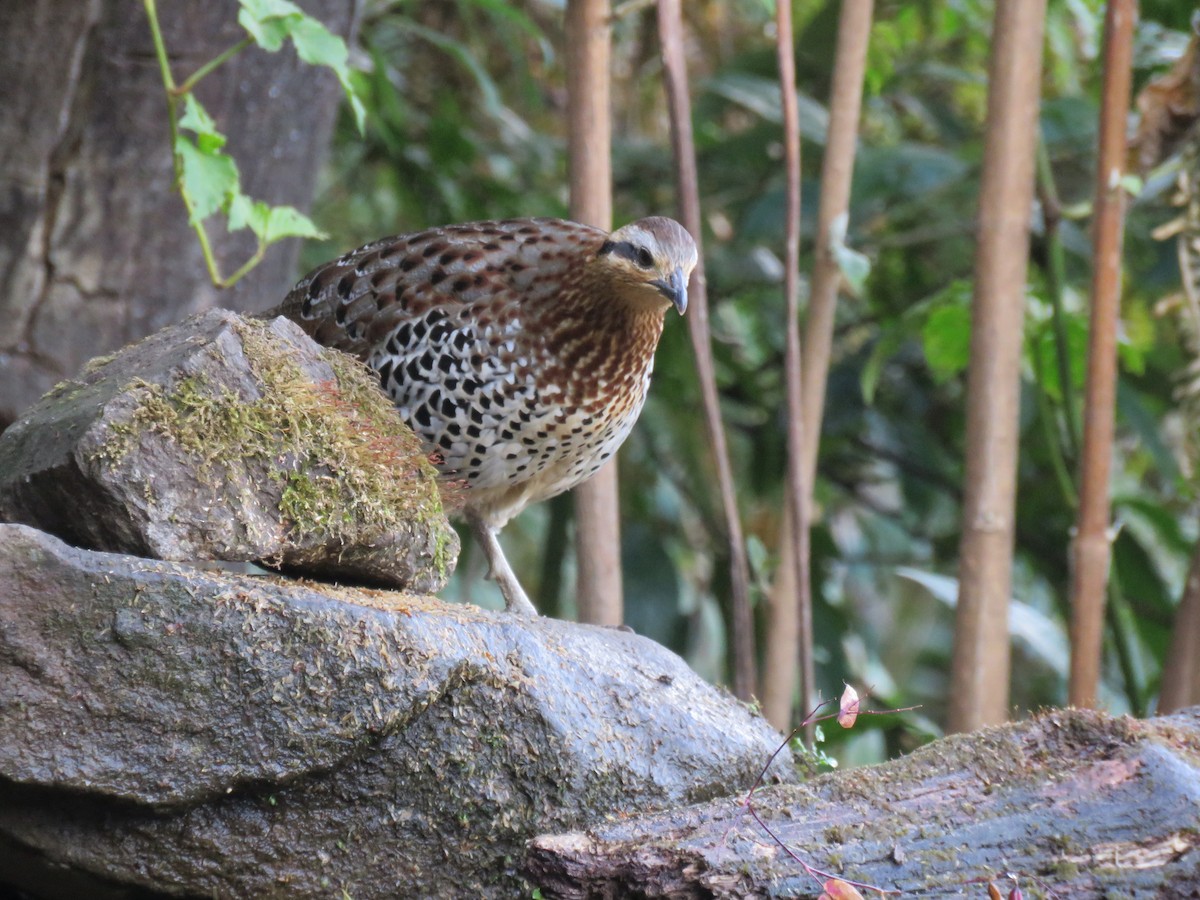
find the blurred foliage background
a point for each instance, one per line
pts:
(466, 121)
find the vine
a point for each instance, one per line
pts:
(206, 176)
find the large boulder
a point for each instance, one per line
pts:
(190, 733)
(232, 439)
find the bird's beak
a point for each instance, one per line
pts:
(674, 289)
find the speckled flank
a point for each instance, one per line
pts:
(520, 351)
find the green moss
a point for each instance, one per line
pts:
(443, 553)
(1067, 870)
(337, 453)
(1063, 843)
(835, 834)
(310, 504)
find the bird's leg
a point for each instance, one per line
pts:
(515, 599)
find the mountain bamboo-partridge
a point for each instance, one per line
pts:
(519, 351)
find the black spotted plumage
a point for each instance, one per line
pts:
(519, 350)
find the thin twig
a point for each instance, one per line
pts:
(670, 32)
(212, 64)
(1056, 280)
(806, 724)
(845, 101)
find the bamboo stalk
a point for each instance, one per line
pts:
(589, 138)
(980, 666)
(670, 33)
(1091, 551)
(1181, 671)
(797, 494)
(837, 167)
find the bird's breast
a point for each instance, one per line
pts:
(501, 402)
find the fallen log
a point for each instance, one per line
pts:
(1070, 804)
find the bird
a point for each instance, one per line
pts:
(520, 351)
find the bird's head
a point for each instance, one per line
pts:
(650, 260)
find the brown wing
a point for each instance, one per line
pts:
(355, 303)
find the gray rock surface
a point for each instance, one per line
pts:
(232, 439)
(172, 730)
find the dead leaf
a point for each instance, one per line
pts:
(848, 707)
(836, 889)
(1169, 107)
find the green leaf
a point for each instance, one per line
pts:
(1132, 184)
(760, 95)
(1046, 347)
(269, 21)
(267, 9)
(854, 266)
(317, 45)
(1044, 638)
(196, 119)
(919, 319)
(946, 340)
(209, 180)
(247, 213)
(287, 221)
(885, 348)
(270, 223)
(356, 106)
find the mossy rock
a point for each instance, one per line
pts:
(232, 439)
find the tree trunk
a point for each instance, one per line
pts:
(95, 248)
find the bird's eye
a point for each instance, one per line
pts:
(644, 258)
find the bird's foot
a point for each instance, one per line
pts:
(515, 598)
(499, 571)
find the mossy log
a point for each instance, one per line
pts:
(1070, 804)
